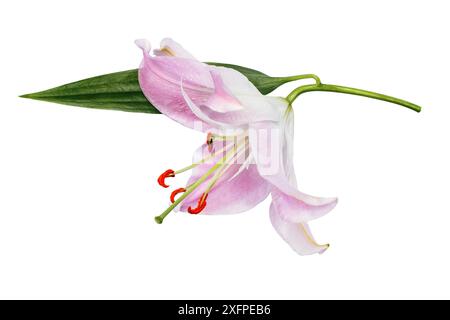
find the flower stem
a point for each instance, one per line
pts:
(359, 92)
(303, 76)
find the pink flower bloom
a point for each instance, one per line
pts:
(248, 150)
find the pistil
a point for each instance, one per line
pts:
(202, 202)
(159, 219)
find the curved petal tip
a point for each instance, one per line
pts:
(297, 235)
(144, 44)
(325, 248)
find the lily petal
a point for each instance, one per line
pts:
(297, 235)
(257, 106)
(169, 47)
(198, 95)
(237, 195)
(222, 120)
(236, 191)
(271, 145)
(295, 210)
(222, 100)
(160, 80)
(227, 111)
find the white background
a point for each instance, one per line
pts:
(78, 188)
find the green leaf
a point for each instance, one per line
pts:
(114, 91)
(121, 90)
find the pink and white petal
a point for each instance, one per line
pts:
(160, 79)
(207, 156)
(281, 183)
(144, 45)
(216, 95)
(222, 120)
(222, 100)
(237, 195)
(235, 81)
(287, 124)
(235, 102)
(206, 159)
(297, 211)
(169, 47)
(267, 143)
(297, 235)
(257, 106)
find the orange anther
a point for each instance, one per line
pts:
(175, 192)
(163, 176)
(200, 206)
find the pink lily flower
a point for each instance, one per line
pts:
(248, 153)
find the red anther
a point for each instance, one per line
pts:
(200, 206)
(163, 176)
(175, 192)
(209, 141)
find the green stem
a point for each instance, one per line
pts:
(359, 92)
(303, 76)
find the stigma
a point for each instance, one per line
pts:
(222, 159)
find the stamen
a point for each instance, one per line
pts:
(211, 137)
(191, 188)
(224, 169)
(200, 205)
(223, 138)
(175, 192)
(227, 164)
(192, 166)
(163, 176)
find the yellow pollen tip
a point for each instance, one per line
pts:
(167, 51)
